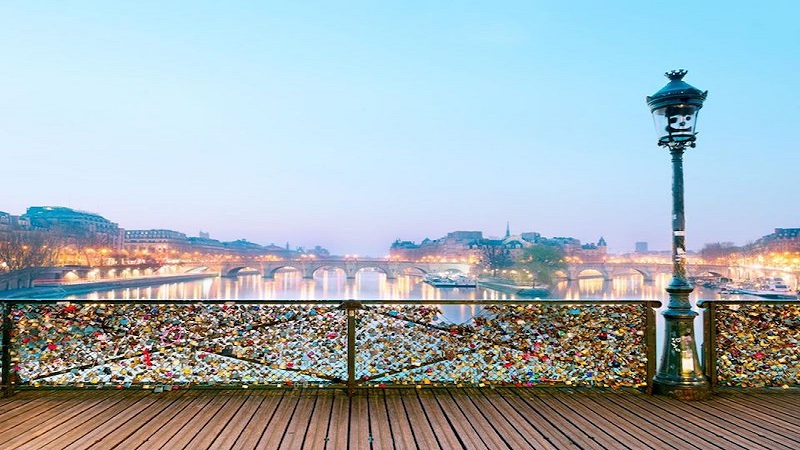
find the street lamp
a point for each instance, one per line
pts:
(679, 374)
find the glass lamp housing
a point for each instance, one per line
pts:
(675, 123)
(675, 108)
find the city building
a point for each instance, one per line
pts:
(5, 221)
(640, 247)
(454, 246)
(85, 228)
(782, 240)
(155, 241)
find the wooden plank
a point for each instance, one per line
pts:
(788, 404)
(583, 430)
(446, 435)
(382, 438)
(200, 421)
(195, 418)
(75, 411)
(712, 428)
(577, 433)
(218, 422)
(317, 433)
(146, 426)
(360, 437)
(26, 400)
(299, 423)
(748, 418)
(599, 418)
(67, 433)
(766, 405)
(506, 421)
(110, 430)
(462, 425)
(693, 435)
(276, 429)
(176, 425)
(412, 418)
(424, 435)
(727, 426)
(398, 420)
(259, 422)
(339, 422)
(491, 428)
(237, 423)
(539, 423)
(641, 425)
(28, 407)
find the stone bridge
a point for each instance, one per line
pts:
(308, 267)
(610, 270)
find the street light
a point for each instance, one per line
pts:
(679, 374)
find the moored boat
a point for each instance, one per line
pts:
(450, 281)
(774, 288)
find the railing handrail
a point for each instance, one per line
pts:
(51, 301)
(765, 301)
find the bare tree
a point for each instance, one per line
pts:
(21, 249)
(494, 255)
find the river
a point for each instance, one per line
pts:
(373, 285)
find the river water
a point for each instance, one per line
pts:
(374, 286)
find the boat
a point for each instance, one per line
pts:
(512, 287)
(773, 288)
(450, 281)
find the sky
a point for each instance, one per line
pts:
(352, 124)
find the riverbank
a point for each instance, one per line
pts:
(64, 290)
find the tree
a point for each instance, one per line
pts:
(20, 249)
(494, 255)
(543, 261)
(718, 250)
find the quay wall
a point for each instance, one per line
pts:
(84, 288)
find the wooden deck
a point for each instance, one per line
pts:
(395, 418)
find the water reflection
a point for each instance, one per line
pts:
(290, 285)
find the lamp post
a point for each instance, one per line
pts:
(679, 374)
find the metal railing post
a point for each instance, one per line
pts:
(710, 342)
(350, 307)
(5, 358)
(651, 343)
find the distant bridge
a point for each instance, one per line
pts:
(611, 270)
(350, 267)
(393, 269)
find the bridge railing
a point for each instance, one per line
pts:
(168, 344)
(751, 343)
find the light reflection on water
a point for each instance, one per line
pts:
(373, 285)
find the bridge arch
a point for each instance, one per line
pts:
(270, 273)
(233, 272)
(421, 271)
(384, 270)
(647, 276)
(595, 271)
(332, 267)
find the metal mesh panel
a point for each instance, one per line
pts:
(758, 345)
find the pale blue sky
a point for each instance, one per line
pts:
(351, 124)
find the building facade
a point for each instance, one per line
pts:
(85, 228)
(782, 240)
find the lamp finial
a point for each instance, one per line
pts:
(676, 74)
